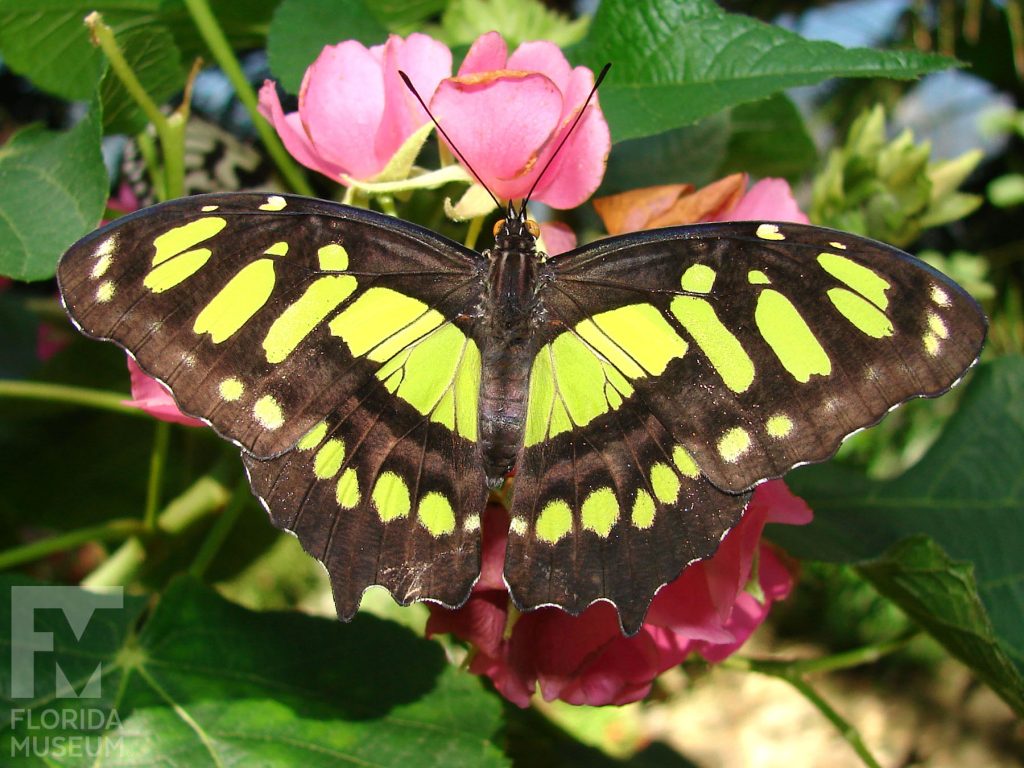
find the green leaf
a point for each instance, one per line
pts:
(676, 61)
(941, 595)
(244, 24)
(768, 138)
(207, 683)
(465, 20)
(151, 53)
(301, 29)
(966, 495)
(401, 16)
(53, 190)
(47, 40)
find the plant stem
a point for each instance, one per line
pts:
(838, 661)
(110, 530)
(225, 57)
(219, 532)
(473, 233)
(157, 461)
(61, 393)
(850, 734)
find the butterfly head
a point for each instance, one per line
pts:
(516, 231)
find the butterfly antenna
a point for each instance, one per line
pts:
(465, 162)
(579, 116)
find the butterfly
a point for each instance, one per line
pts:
(380, 378)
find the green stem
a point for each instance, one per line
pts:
(218, 44)
(473, 233)
(171, 131)
(219, 532)
(203, 497)
(157, 461)
(850, 734)
(61, 393)
(853, 658)
(110, 530)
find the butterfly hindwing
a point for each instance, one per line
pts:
(334, 346)
(684, 366)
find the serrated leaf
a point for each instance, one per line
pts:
(941, 595)
(677, 61)
(154, 58)
(52, 190)
(966, 494)
(301, 28)
(47, 40)
(207, 683)
(768, 138)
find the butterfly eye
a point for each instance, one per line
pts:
(533, 227)
(498, 225)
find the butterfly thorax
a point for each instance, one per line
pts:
(511, 314)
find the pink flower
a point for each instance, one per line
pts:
(508, 114)
(151, 396)
(586, 659)
(769, 199)
(354, 110)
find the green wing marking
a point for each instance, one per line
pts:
(682, 367)
(321, 339)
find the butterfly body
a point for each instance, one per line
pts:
(379, 378)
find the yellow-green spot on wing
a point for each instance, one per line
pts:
(313, 438)
(864, 315)
(333, 257)
(699, 278)
(467, 391)
(718, 343)
(347, 491)
(554, 521)
(180, 239)
(862, 279)
(938, 326)
(328, 460)
(105, 291)
(580, 379)
(734, 444)
(231, 389)
(390, 497)
(789, 336)
(300, 318)
(664, 483)
(540, 399)
(643, 510)
(268, 412)
(237, 302)
(779, 425)
(176, 270)
(757, 277)
(435, 513)
(636, 339)
(769, 232)
(600, 511)
(279, 248)
(274, 203)
(382, 322)
(684, 462)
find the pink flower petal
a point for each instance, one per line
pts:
(342, 104)
(558, 237)
(488, 53)
(151, 396)
(500, 122)
(768, 200)
(544, 57)
(293, 134)
(427, 62)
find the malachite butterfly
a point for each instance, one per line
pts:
(377, 377)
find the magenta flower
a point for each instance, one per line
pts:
(152, 397)
(507, 115)
(354, 110)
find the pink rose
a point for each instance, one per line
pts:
(508, 114)
(151, 396)
(354, 110)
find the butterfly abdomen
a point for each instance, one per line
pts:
(510, 315)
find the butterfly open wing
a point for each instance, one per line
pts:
(731, 353)
(326, 342)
